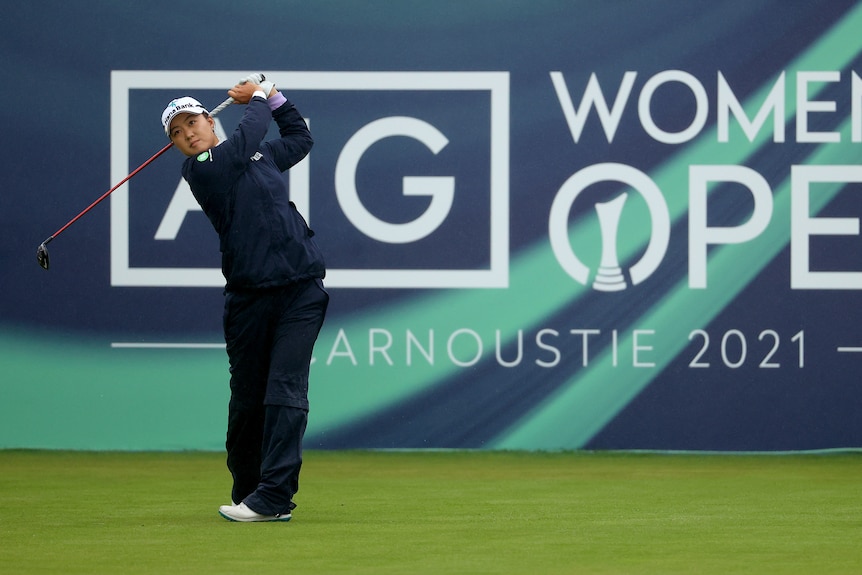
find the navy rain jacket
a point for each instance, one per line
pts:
(264, 240)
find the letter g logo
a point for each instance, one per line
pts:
(440, 189)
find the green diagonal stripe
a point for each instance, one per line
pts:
(519, 307)
(581, 408)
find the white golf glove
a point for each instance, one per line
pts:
(255, 78)
(260, 79)
(267, 87)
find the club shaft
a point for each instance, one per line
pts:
(109, 192)
(215, 111)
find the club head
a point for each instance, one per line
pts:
(42, 256)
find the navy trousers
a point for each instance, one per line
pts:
(270, 336)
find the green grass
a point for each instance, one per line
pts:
(437, 512)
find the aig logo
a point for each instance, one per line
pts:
(407, 184)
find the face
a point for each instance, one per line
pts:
(193, 133)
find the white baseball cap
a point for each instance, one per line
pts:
(185, 105)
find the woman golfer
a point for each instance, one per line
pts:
(274, 297)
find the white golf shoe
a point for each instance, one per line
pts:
(243, 513)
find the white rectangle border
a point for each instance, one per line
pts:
(496, 83)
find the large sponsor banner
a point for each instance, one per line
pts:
(548, 225)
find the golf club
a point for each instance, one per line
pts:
(42, 251)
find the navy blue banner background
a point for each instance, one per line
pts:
(67, 384)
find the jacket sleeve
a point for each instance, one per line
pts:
(295, 141)
(252, 128)
(224, 163)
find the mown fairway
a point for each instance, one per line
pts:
(438, 512)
